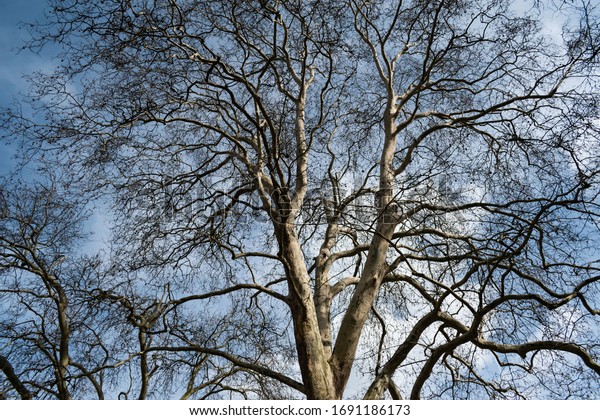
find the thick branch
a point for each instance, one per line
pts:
(14, 380)
(237, 362)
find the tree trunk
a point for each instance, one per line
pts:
(316, 372)
(375, 266)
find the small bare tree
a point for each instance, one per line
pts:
(302, 189)
(42, 334)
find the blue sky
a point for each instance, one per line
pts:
(15, 62)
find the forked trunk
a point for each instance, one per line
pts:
(312, 357)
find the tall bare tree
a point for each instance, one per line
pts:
(406, 190)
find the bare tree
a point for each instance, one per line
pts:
(404, 189)
(37, 284)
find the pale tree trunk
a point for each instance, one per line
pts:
(324, 293)
(325, 372)
(375, 266)
(316, 372)
(64, 360)
(313, 356)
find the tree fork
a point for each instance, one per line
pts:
(316, 371)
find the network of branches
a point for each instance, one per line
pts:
(306, 199)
